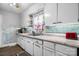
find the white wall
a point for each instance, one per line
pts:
(32, 9)
(0, 29)
(10, 21)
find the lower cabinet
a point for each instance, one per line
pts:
(43, 48)
(71, 51)
(18, 40)
(48, 48)
(29, 45)
(48, 52)
(37, 49)
(59, 54)
(26, 44)
(21, 42)
(48, 44)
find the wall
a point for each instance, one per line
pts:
(68, 12)
(10, 21)
(62, 28)
(0, 28)
(32, 9)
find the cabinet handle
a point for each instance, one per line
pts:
(48, 50)
(54, 22)
(59, 22)
(37, 45)
(37, 42)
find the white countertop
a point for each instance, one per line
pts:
(57, 38)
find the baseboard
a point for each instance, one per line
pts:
(10, 44)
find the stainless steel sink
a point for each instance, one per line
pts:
(36, 34)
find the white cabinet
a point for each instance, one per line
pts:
(48, 45)
(59, 54)
(28, 45)
(61, 13)
(21, 42)
(43, 48)
(67, 12)
(48, 49)
(48, 52)
(37, 49)
(50, 11)
(66, 50)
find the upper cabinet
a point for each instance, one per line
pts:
(56, 13)
(50, 11)
(67, 12)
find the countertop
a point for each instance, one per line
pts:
(54, 37)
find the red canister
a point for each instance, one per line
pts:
(71, 35)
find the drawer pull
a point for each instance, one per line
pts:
(59, 22)
(37, 42)
(37, 45)
(54, 22)
(48, 49)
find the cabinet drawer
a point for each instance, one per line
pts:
(59, 54)
(66, 49)
(37, 49)
(48, 44)
(19, 40)
(48, 52)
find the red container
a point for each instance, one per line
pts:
(71, 35)
(67, 35)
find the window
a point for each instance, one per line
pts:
(38, 21)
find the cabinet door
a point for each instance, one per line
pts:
(28, 44)
(50, 13)
(37, 50)
(67, 12)
(22, 42)
(66, 49)
(18, 39)
(48, 52)
(48, 44)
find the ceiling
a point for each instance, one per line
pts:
(7, 7)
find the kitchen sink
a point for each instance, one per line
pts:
(36, 34)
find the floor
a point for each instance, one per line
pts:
(13, 51)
